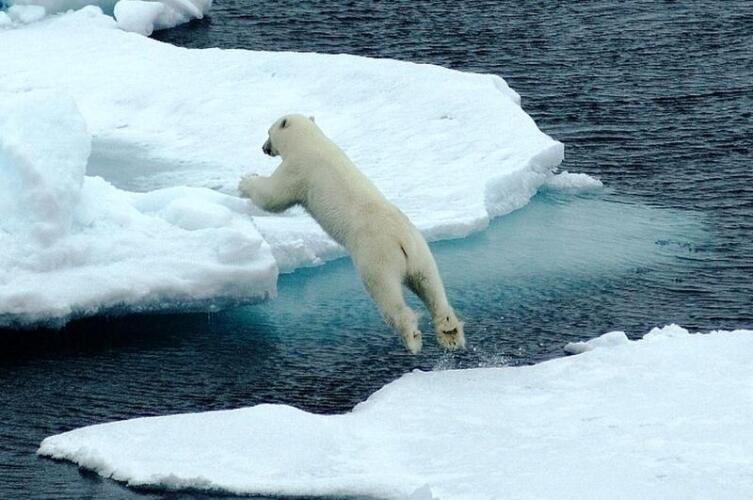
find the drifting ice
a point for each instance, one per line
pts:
(668, 416)
(138, 16)
(451, 149)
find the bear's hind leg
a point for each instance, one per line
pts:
(387, 292)
(428, 286)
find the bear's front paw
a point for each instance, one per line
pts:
(245, 186)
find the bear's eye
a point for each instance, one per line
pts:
(284, 123)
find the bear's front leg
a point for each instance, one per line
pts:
(267, 193)
(246, 185)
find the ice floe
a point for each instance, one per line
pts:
(667, 416)
(451, 149)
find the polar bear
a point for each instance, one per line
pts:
(387, 249)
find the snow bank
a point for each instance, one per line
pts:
(23, 14)
(44, 146)
(451, 149)
(668, 416)
(74, 245)
(144, 17)
(132, 15)
(138, 16)
(607, 340)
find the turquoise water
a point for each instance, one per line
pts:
(532, 270)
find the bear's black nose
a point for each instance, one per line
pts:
(266, 148)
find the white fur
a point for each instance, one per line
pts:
(387, 249)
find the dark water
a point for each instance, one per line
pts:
(653, 98)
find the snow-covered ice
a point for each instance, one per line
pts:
(24, 14)
(144, 17)
(566, 181)
(667, 416)
(607, 340)
(138, 16)
(55, 6)
(5, 20)
(72, 245)
(451, 149)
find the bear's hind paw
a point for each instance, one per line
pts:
(450, 333)
(412, 341)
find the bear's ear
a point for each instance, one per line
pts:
(284, 123)
(312, 119)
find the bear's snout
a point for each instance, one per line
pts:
(267, 148)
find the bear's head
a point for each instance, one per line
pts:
(285, 131)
